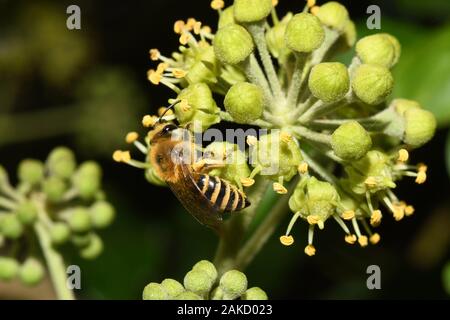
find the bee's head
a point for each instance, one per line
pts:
(161, 131)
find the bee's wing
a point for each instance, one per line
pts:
(192, 198)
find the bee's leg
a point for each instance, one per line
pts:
(206, 165)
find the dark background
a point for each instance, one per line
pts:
(89, 88)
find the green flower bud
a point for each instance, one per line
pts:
(246, 11)
(8, 268)
(31, 171)
(233, 283)
(245, 102)
(199, 72)
(172, 287)
(236, 166)
(314, 198)
(55, 188)
(59, 233)
(226, 17)
(197, 104)
(402, 105)
(378, 49)
(11, 227)
(26, 212)
(81, 240)
(188, 295)
(304, 33)
(206, 267)
(79, 220)
(254, 293)
(198, 281)
(350, 34)
(397, 46)
(372, 83)
(102, 214)
(351, 141)
(216, 294)
(333, 15)
(61, 162)
(93, 249)
(420, 126)
(329, 81)
(87, 179)
(275, 39)
(154, 291)
(31, 272)
(233, 44)
(278, 155)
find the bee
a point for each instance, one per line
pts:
(206, 197)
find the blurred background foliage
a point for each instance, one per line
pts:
(87, 88)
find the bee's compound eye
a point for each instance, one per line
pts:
(168, 129)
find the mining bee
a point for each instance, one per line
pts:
(205, 196)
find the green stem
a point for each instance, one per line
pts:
(256, 76)
(257, 32)
(303, 132)
(321, 108)
(297, 80)
(54, 260)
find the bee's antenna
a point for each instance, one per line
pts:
(167, 109)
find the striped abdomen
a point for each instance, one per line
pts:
(223, 195)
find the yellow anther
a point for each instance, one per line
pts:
(375, 218)
(421, 174)
(399, 211)
(409, 210)
(184, 38)
(162, 67)
(312, 219)
(279, 188)
(149, 121)
(197, 27)
(252, 140)
(178, 26)
(274, 3)
(403, 155)
(154, 54)
(287, 240)
(310, 250)
(371, 182)
(165, 111)
(190, 23)
(131, 137)
(314, 10)
(185, 107)
(285, 137)
(348, 215)
(303, 168)
(217, 4)
(311, 3)
(179, 73)
(154, 77)
(320, 224)
(126, 156)
(350, 239)
(247, 182)
(121, 156)
(375, 238)
(363, 241)
(206, 30)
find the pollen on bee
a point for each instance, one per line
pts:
(131, 137)
(287, 240)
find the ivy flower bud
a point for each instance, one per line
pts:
(329, 81)
(304, 33)
(351, 141)
(79, 220)
(11, 227)
(102, 214)
(31, 272)
(93, 249)
(245, 102)
(198, 281)
(216, 294)
(61, 162)
(333, 15)
(87, 179)
(246, 11)
(350, 34)
(207, 267)
(378, 49)
(172, 287)
(226, 17)
(188, 295)
(154, 291)
(8, 268)
(420, 126)
(31, 171)
(199, 72)
(54, 188)
(233, 44)
(234, 284)
(372, 83)
(402, 105)
(59, 233)
(26, 212)
(197, 104)
(254, 293)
